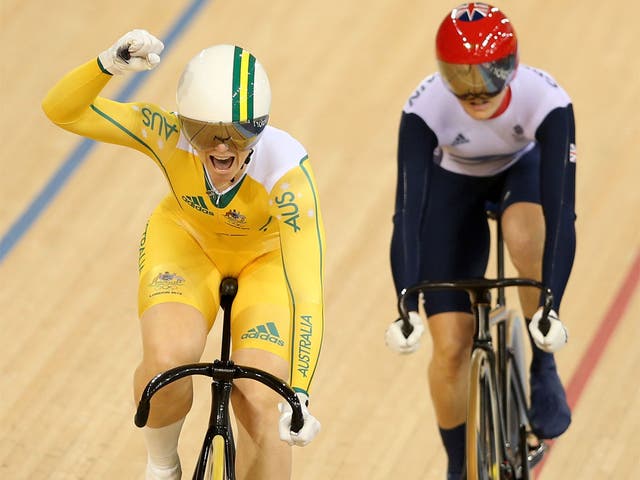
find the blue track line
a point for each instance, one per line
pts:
(59, 179)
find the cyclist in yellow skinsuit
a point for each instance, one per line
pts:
(242, 202)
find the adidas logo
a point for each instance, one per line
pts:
(267, 332)
(198, 203)
(459, 140)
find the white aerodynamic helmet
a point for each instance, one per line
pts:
(223, 96)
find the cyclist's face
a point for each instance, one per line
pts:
(224, 163)
(482, 107)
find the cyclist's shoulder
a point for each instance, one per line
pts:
(277, 153)
(278, 148)
(429, 95)
(539, 85)
(278, 139)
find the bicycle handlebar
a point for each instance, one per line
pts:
(475, 288)
(162, 380)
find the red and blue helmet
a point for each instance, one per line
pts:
(477, 50)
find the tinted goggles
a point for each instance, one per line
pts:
(478, 81)
(205, 136)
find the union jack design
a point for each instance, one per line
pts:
(469, 12)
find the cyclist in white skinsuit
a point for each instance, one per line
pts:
(483, 129)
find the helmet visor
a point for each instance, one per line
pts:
(478, 80)
(205, 136)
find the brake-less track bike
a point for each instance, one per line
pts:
(498, 429)
(217, 456)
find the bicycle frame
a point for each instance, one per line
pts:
(222, 372)
(479, 291)
(505, 354)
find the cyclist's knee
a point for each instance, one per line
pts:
(252, 401)
(170, 403)
(452, 335)
(451, 359)
(160, 361)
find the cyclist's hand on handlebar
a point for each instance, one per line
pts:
(555, 338)
(397, 341)
(135, 51)
(308, 431)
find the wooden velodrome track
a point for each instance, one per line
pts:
(340, 72)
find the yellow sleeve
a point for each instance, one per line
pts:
(75, 105)
(296, 206)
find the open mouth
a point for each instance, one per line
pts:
(222, 163)
(478, 102)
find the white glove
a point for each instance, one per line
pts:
(309, 429)
(395, 339)
(556, 337)
(135, 51)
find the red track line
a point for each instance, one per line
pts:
(607, 327)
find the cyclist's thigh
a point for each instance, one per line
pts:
(174, 268)
(522, 218)
(261, 313)
(455, 236)
(172, 334)
(524, 234)
(521, 182)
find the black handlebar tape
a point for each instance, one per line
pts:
(407, 328)
(545, 324)
(297, 422)
(123, 53)
(142, 414)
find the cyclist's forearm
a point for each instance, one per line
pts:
(308, 330)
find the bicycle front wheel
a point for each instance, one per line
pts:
(515, 409)
(483, 455)
(211, 464)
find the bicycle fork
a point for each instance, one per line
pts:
(220, 421)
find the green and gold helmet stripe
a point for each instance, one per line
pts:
(242, 94)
